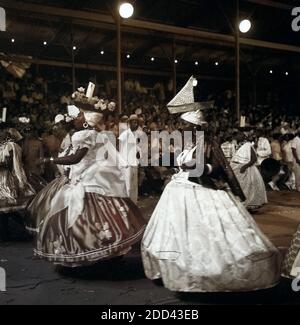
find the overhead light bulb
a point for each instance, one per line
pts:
(126, 10)
(245, 25)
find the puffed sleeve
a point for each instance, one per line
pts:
(84, 139)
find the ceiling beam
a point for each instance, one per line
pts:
(273, 4)
(106, 68)
(139, 24)
(92, 16)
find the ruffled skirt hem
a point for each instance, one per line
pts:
(107, 227)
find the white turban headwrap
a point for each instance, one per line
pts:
(92, 118)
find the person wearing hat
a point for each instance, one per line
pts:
(201, 238)
(90, 217)
(123, 124)
(243, 164)
(129, 150)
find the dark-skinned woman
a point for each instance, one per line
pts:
(91, 217)
(243, 164)
(200, 237)
(39, 207)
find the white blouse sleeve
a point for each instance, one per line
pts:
(83, 139)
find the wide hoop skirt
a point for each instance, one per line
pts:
(107, 227)
(204, 240)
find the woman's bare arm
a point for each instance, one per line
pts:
(69, 160)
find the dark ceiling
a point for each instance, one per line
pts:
(271, 22)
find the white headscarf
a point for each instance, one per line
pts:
(194, 117)
(93, 118)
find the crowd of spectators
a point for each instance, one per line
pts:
(42, 97)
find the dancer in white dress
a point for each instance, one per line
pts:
(91, 217)
(248, 175)
(200, 239)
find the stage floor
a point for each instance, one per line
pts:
(31, 281)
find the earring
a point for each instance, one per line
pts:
(85, 125)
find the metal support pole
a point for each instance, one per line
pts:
(119, 61)
(73, 60)
(254, 91)
(174, 68)
(237, 62)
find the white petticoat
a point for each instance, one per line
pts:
(204, 240)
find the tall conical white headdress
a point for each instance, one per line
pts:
(184, 101)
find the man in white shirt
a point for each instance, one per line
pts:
(263, 147)
(128, 149)
(296, 154)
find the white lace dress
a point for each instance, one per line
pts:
(251, 180)
(203, 240)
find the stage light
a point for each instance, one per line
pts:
(128, 56)
(271, 71)
(102, 52)
(286, 73)
(196, 63)
(152, 59)
(45, 43)
(74, 48)
(176, 61)
(12, 40)
(216, 63)
(126, 10)
(245, 25)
